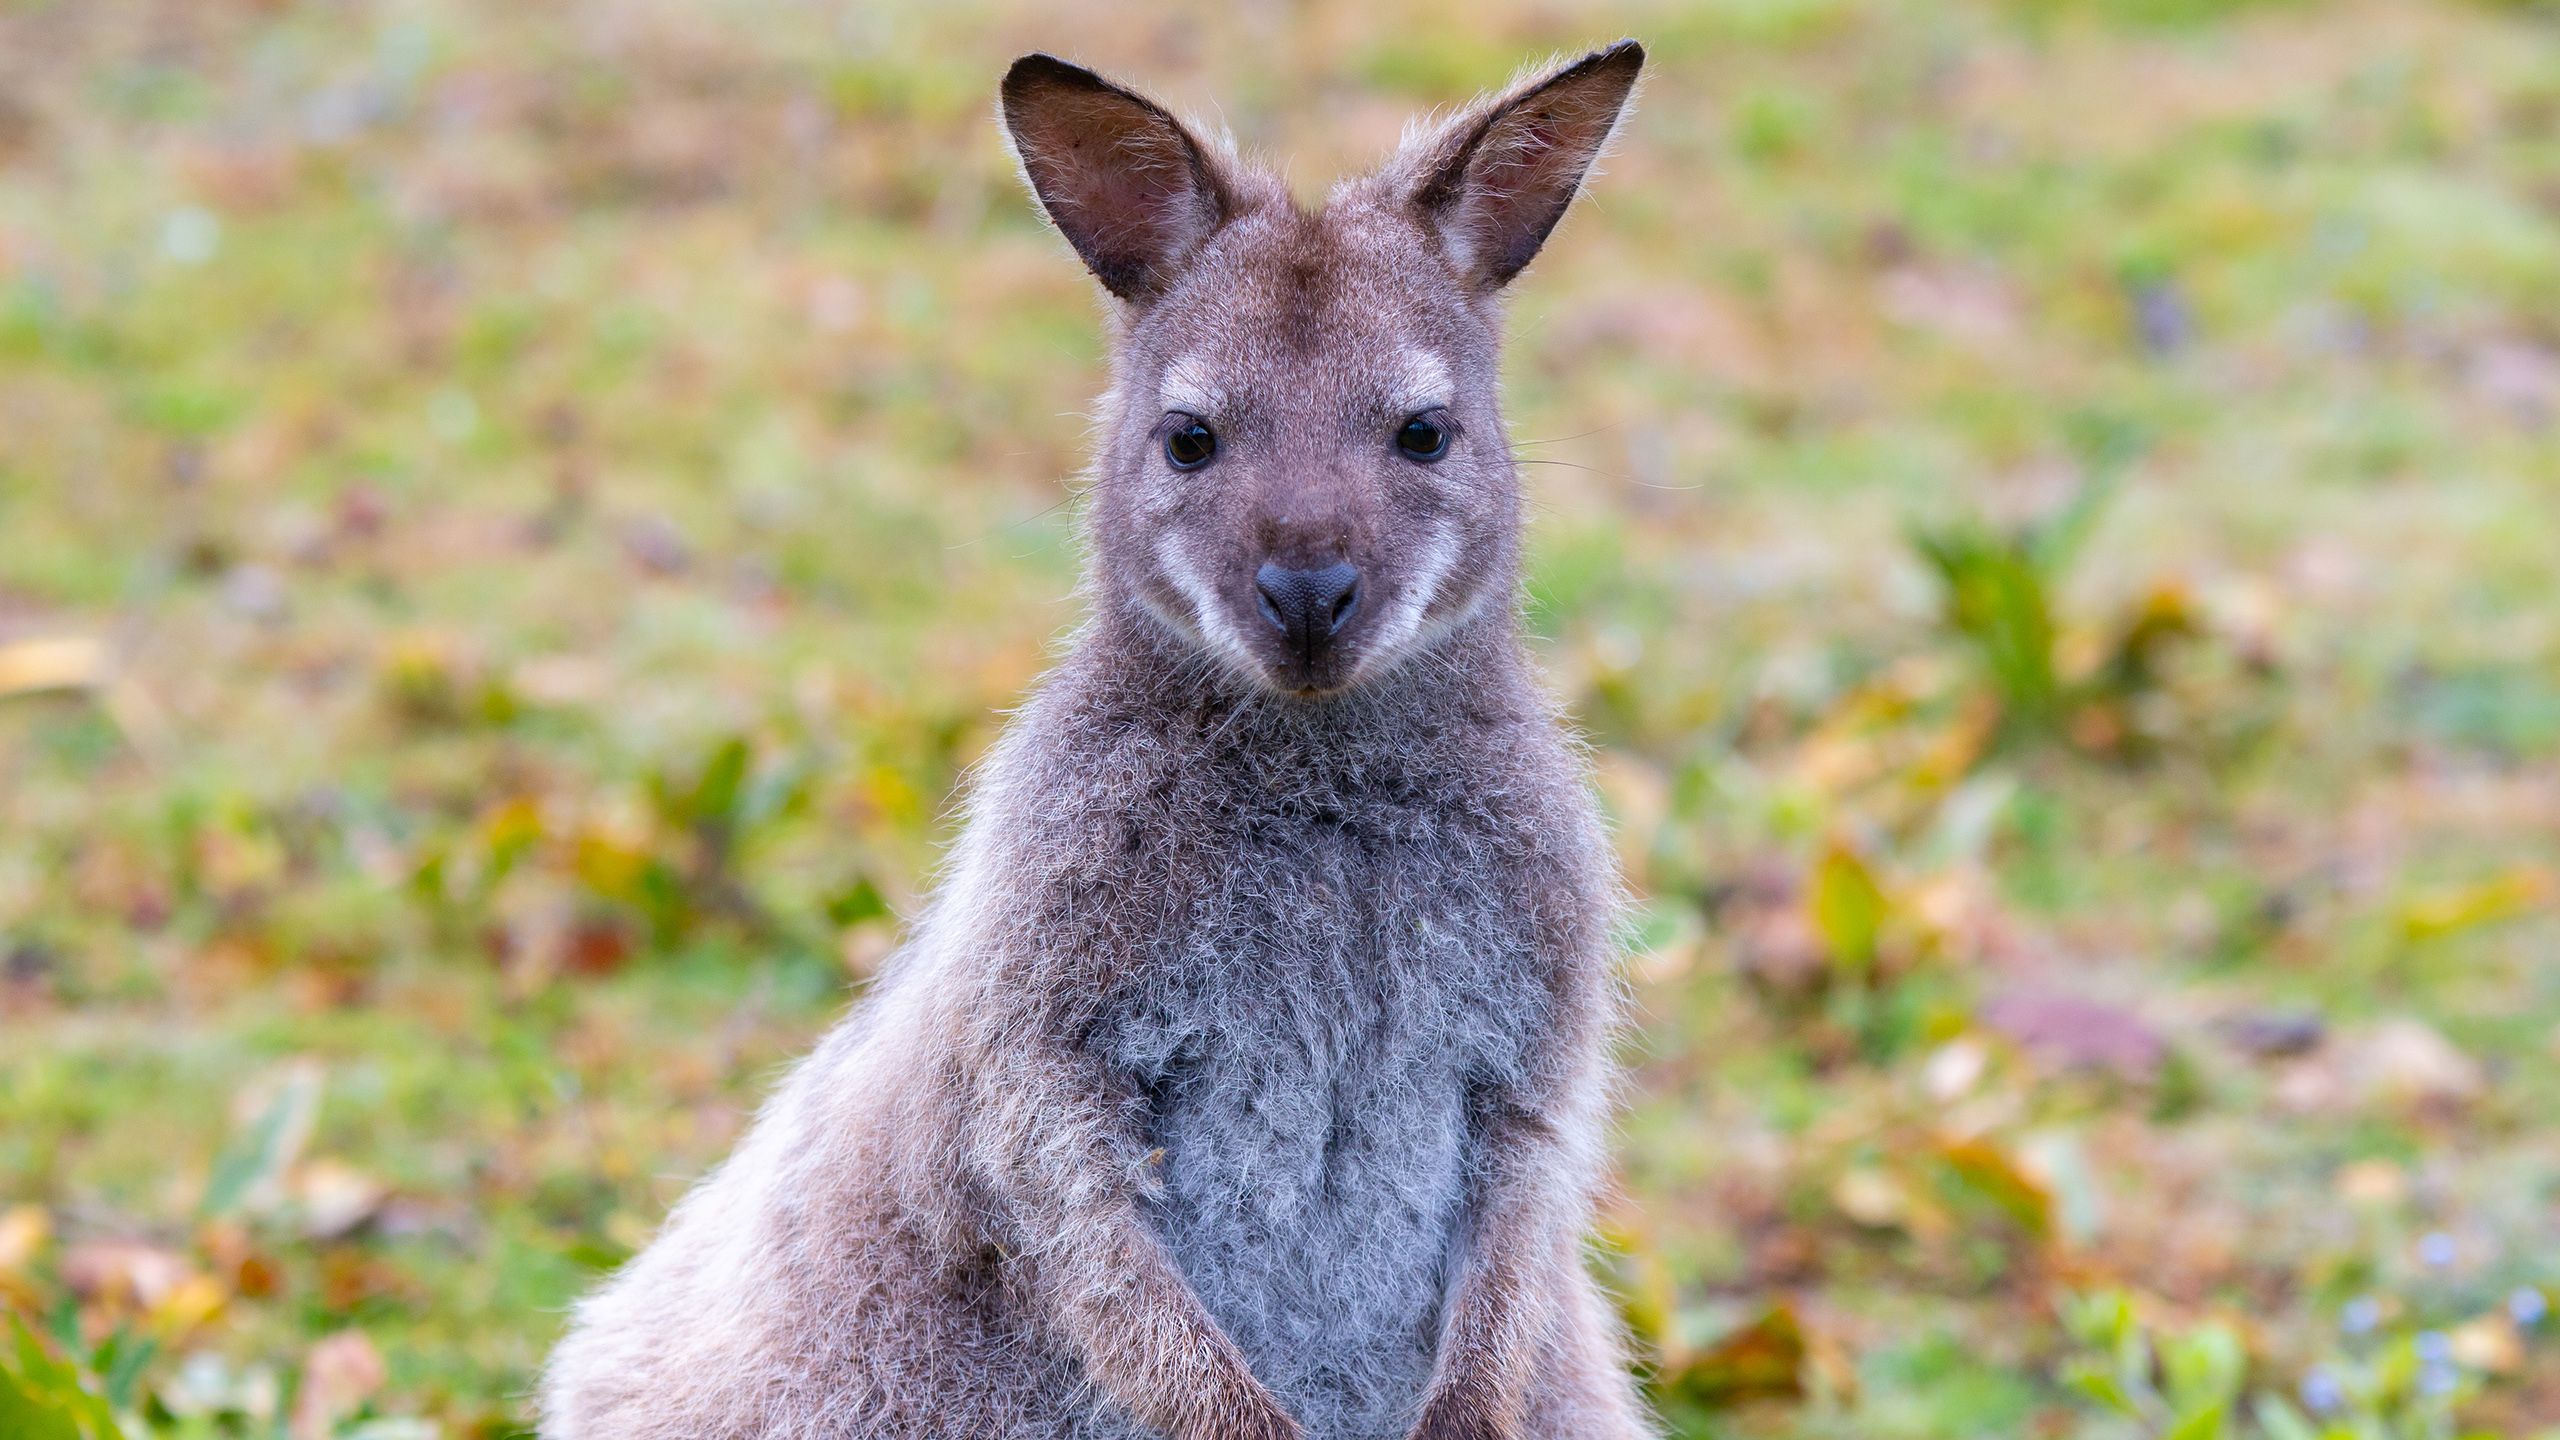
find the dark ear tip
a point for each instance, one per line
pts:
(1042, 68)
(1627, 54)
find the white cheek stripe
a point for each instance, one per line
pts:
(1209, 622)
(1429, 570)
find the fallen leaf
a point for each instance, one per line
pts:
(124, 1274)
(2077, 1033)
(195, 1300)
(61, 662)
(2058, 1164)
(1763, 1360)
(2406, 1060)
(2488, 1344)
(24, 1229)
(1847, 907)
(340, 1374)
(1996, 1176)
(1954, 1069)
(2373, 1184)
(24, 1232)
(2276, 1035)
(2450, 910)
(336, 1198)
(1871, 1197)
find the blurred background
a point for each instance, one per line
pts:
(515, 518)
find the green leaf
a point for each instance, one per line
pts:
(1998, 596)
(264, 1150)
(2204, 1368)
(41, 1398)
(2100, 1384)
(2209, 1423)
(122, 1360)
(2281, 1421)
(2100, 1319)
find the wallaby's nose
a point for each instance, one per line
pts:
(1308, 606)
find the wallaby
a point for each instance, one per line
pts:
(1246, 1076)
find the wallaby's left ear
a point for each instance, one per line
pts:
(1494, 181)
(1135, 192)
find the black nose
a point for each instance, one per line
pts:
(1308, 606)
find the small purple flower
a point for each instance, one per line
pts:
(2527, 1307)
(2437, 1378)
(2435, 1347)
(2360, 1317)
(2436, 1250)
(2322, 1394)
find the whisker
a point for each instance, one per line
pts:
(1043, 513)
(1561, 439)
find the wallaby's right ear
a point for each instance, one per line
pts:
(1119, 176)
(1494, 181)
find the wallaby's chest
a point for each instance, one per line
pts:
(1322, 1002)
(1299, 959)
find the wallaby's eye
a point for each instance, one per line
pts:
(1422, 438)
(1190, 446)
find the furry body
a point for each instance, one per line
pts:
(1349, 947)
(1246, 1075)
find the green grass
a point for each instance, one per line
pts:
(563, 494)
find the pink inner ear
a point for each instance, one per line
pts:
(1121, 180)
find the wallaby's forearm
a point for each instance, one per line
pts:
(1513, 1280)
(1501, 1309)
(1148, 1342)
(1070, 1171)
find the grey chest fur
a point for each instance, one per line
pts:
(1318, 1011)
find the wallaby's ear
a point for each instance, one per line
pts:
(1495, 180)
(1122, 179)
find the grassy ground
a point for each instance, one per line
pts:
(514, 518)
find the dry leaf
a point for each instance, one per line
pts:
(336, 1198)
(2374, 1184)
(1763, 1360)
(2076, 1033)
(1871, 1197)
(341, 1373)
(2488, 1344)
(61, 662)
(2405, 1060)
(24, 1229)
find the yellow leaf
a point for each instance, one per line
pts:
(186, 1308)
(2452, 909)
(1849, 907)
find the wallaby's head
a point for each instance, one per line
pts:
(1302, 472)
